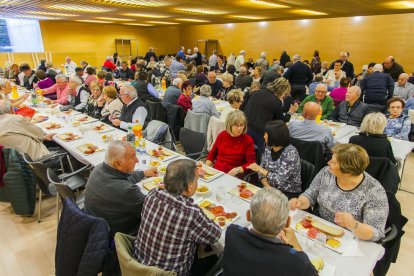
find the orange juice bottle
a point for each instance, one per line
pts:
(318, 118)
(62, 68)
(15, 94)
(163, 85)
(39, 94)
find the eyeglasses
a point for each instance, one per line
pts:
(320, 91)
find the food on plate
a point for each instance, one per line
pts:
(88, 148)
(327, 229)
(217, 212)
(99, 127)
(244, 190)
(160, 153)
(68, 136)
(154, 163)
(162, 169)
(205, 173)
(221, 221)
(202, 189)
(83, 119)
(68, 112)
(52, 126)
(76, 123)
(154, 183)
(333, 243)
(318, 264)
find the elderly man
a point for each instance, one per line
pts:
(262, 61)
(150, 54)
(403, 88)
(58, 93)
(243, 80)
(212, 60)
(6, 88)
(321, 99)
(17, 132)
(142, 87)
(168, 240)
(125, 73)
(351, 111)
(309, 130)
(70, 66)
(299, 76)
(215, 84)
(203, 104)
(239, 60)
(392, 68)
(270, 247)
(134, 110)
(78, 95)
(111, 191)
(172, 93)
(27, 77)
(347, 66)
(197, 57)
(377, 87)
(176, 66)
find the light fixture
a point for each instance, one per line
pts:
(229, 25)
(357, 18)
(400, 4)
(268, 4)
(94, 21)
(199, 11)
(135, 3)
(162, 22)
(248, 17)
(147, 15)
(114, 19)
(79, 8)
(52, 13)
(263, 24)
(138, 24)
(192, 20)
(305, 22)
(309, 12)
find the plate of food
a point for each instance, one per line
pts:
(222, 216)
(89, 149)
(101, 128)
(40, 118)
(244, 190)
(202, 190)
(84, 119)
(162, 169)
(207, 173)
(162, 154)
(337, 238)
(51, 125)
(154, 163)
(152, 183)
(70, 112)
(68, 136)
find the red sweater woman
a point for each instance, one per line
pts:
(185, 98)
(233, 150)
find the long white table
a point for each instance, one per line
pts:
(361, 265)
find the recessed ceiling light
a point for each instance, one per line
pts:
(162, 22)
(305, 22)
(268, 4)
(52, 13)
(136, 3)
(80, 8)
(357, 18)
(191, 20)
(229, 25)
(309, 12)
(249, 17)
(147, 15)
(138, 24)
(114, 19)
(199, 11)
(94, 21)
(263, 24)
(400, 4)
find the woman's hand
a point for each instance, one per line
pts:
(235, 171)
(254, 167)
(209, 163)
(295, 203)
(345, 219)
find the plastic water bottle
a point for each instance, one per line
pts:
(130, 137)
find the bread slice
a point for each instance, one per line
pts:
(328, 229)
(318, 264)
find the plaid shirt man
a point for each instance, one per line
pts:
(171, 227)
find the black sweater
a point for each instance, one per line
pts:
(375, 145)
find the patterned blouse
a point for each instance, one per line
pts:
(284, 173)
(398, 127)
(367, 203)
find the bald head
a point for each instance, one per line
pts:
(211, 77)
(389, 62)
(311, 110)
(243, 70)
(402, 79)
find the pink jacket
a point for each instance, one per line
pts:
(62, 95)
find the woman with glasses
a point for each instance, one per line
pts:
(235, 98)
(398, 124)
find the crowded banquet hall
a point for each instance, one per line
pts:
(178, 137)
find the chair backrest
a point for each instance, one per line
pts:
(129, 265)
(311, 151)
(307, 173)
(192, 141)
(196, 121)
(65, 192)
(52, 177)
(157, 111)
(383, 170)
(40, 171)
(215, 126)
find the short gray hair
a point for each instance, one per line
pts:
(49, 64)
(3, 82)
(179, 175)
(269, 211)
(322, 85)
(130, 91)
(76, 80)
(205, 90)
(61, 77)
(378, 68)
(263, 54)
(115, 151)
(296, 58)
(177, 81)
(5, 107)
(374, 123)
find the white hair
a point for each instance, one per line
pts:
(296, 58)
(263, 54)
(108, 57)
(205, 90)
(130, 90)
(378, 68)
(5, 107)
(195, 49)
(61, 77)
(242, 52)
(115, 151)
(3, 82)
(177, 81)
(404, 76)
(76, 80)
(322, 85)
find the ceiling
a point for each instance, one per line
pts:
(183, 12)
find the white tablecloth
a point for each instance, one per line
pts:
(344, 265)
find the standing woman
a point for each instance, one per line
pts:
(95, 102)
(185, 98)
(316, 63)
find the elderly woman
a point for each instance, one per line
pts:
(333, 76)
(58, 93)
(257, 73)
(227, 80)
(320, 98)
(347, 195)
(91, 76)
(77, 94)
(95, 102)
(280, 165)
(113, 105)
(233, 150)
(235, 99)
(203, 104)
(13, 73)
(184, 100)
(44, 81)
(5, 89)
(398, 124)
(372, 138)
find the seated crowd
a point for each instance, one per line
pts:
(262, 98)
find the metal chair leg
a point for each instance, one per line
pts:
(70, 163)
(57, 207)
(40, 206)
(61, 165)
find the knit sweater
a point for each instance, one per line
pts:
(327, 105)
(398, 127)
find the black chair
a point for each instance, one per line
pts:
(383, 170)
(377, 108)
(411, 134)
(193, 143)
(157, 111)
(307, 173)
(311, 151)
(66, 192)
(175, 118)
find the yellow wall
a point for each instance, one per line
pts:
(371, 39)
